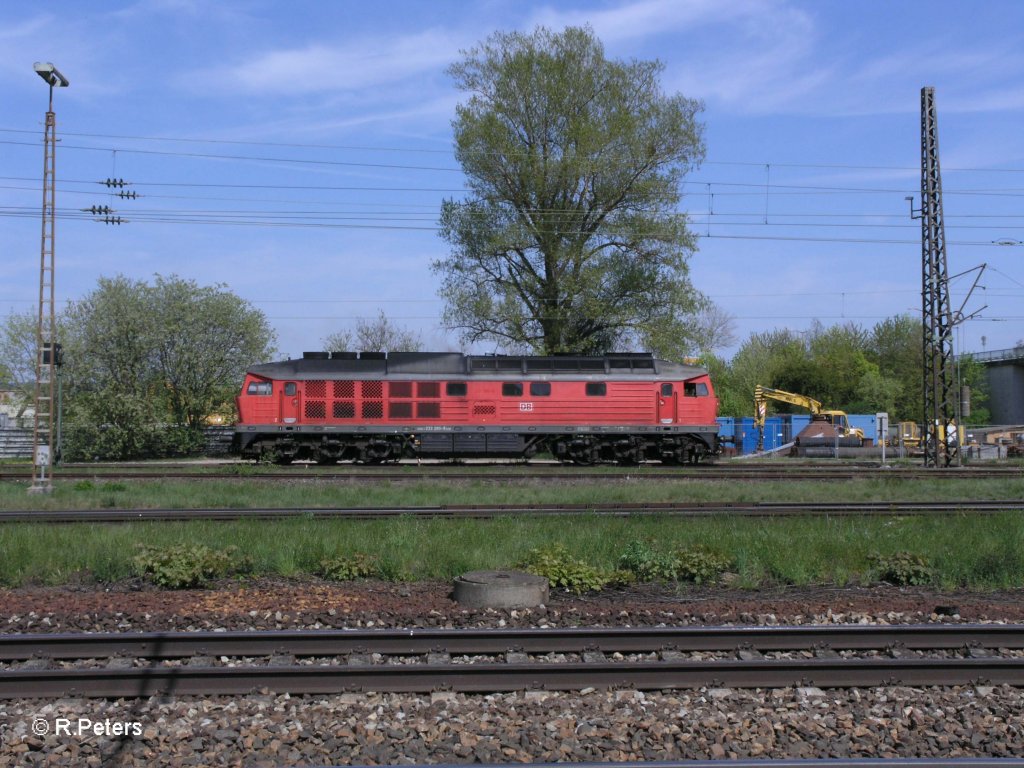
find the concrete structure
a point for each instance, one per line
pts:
(500, 589)
(1004, 369)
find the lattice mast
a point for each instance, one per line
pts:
(46, 327)
(941, 443)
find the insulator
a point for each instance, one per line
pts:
(128, 195)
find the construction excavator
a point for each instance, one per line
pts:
(838, 419)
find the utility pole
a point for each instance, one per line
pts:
(47, 348)
(941, 433)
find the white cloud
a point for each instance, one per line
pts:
(357, 65)
(648, 17)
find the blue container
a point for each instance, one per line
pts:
(795, 424)
(866, 423)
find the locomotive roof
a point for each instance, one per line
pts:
(454, 365)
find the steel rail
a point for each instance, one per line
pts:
(829, 762)
(528, 474)
(697, 509)
(496, 677)
(170, 645)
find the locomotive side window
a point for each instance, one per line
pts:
(702, 389)
(455, 389)
(511, 389)
(596, 389)
(666, 390)
(290, 388)
(540, 388)
(259, 388)
(698, 389)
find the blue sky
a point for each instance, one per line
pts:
(323, 131)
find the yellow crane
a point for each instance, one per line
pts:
(838, 419)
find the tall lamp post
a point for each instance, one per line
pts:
(47, 348)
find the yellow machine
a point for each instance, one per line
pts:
(908, 434)
(837, 419)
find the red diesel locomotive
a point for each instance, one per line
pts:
(374, 407)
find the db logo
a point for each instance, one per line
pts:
(526, 406)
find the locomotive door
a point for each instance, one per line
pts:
(667, 404)
(290, 403)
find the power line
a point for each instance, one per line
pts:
(269, 217)
(364, 148)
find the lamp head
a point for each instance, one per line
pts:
(50, 74)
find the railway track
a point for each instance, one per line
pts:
(498, 473)
(332, 661)
(701, 509)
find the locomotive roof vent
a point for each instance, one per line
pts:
(316, 355)
(344, 355)
(373, 355)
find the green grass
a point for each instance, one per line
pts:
(333, 492)
(979, 552)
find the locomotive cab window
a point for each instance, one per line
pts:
(455, 389)
(540, 388)
(596, 389)
(666, 390)
(259, 388)
(698, 389)
(290, 388)
(511, 389)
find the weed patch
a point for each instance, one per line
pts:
(185, 566)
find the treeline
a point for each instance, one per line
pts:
(846, 367)
(146, 365)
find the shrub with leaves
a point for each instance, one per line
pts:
(647, 563)
(700, 565)
(902, 569)
(563, 571)
(187, 565)
(696, 564)
(348, 567)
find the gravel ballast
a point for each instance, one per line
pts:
(527, 726)
(596, 725)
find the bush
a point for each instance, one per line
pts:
(564, 571)
(902, 569)
(187, 565)
(700, 565)
(84, 441)
(697, 564)
(348, 567)
(641, 559)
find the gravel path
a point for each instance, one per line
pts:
(264, 729)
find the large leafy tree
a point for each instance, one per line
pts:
(147, 363)
(570, 239)
(765, 358)
(896, 348)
